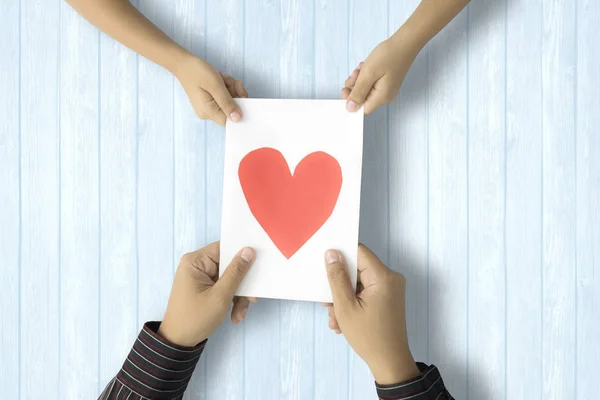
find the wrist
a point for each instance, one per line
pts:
(173, 336)
(399, 369)
(410, 37)
(177, 65)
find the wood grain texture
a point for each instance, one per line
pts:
(588, 197)
(224, 50)
(486, 327)
(559, 257)
(481, 184)
(331, 70)
(262, 328)
(523, 200)
(297, 318)
(40, 205)
(363, 36)
(409, 186)
(155, 187)
(10, 224)
(79, 206)
(118, 202)
(448, 204)
(189, 157)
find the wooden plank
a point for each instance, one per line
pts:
(225, 51)
(297, 319)
(118, 198)
(10, 225)
(190, 161)
(588, 198)
(559, 200)
(523, 200)
(262, 341)
(40, 194)
(448, 202)
(408, 180)
(155, 203)
(79, 206)
(224, 46)
(331, 70)
(367, 28)
(486, 328)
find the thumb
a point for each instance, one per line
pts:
(226, 102)
(339, 279)
(360, 91)
(233, 276)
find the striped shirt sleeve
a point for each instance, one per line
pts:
(428, 386)
(154, 369)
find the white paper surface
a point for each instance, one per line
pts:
(295, 128)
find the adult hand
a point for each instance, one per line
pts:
(199, 303)
(210, 92)
(373, 321)
(377, 81)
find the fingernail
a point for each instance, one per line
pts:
(235, 116)
(351, 106)
(243, 313)
(332, 256)
(247, 254)
(360, 65)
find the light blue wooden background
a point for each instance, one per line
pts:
(481, 184)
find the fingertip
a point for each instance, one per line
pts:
(331, 325)
(352, 106)
(236, 116)
(248, 254)
(333, 256)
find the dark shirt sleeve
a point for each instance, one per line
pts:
(154, 369)
(427, 386)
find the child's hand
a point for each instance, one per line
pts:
(199, 303)
(210, 92)
(374, 321)
(377, 81)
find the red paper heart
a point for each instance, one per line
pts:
(290, 208)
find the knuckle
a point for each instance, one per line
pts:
(229, 105)
(197, 260)
(358, 93)
(202, 114)
(187, 258)
(367, 72)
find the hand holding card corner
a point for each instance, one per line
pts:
(199, 302)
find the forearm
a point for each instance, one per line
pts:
(122, 21)
(430, 17)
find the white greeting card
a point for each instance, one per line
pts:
(292, 191)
